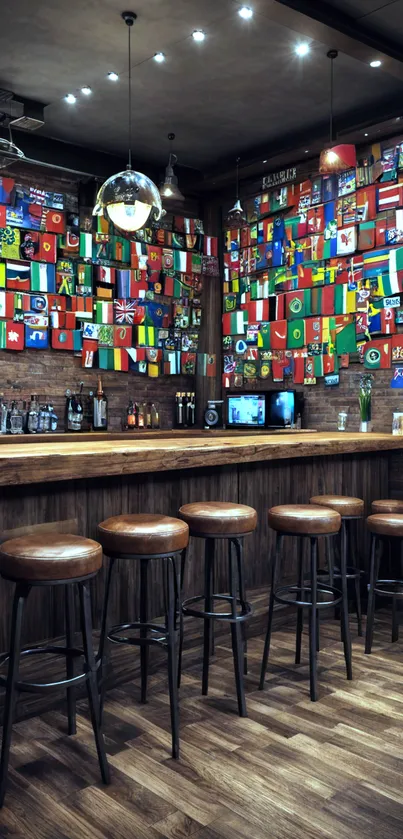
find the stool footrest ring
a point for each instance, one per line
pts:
(138, 642)
(244, 614)
(279, 596)
(383, 592)
(39, 687)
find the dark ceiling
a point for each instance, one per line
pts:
(240, 91)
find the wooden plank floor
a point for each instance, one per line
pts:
(292, 769)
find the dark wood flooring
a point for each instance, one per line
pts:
(293, 769)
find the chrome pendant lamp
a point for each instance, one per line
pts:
(169, 189)
(129, 198)
(236, 215)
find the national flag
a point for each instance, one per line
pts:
(390, 196)
(67, 339)
(173, 287)
(43, 277)
(2, 274)
(146, 336)
(278, 335)
(315, 220)
(125, 282)
(83, 307)
(322, 300)
(394, 231)
(36, 338)
(53, 221)
(18, 276)
(47, 248)
(210, 246)
(280, 307)
(106, 358)
(313, 330)
(84, 277)
(263, 338)
(154, 257)
(296, 334)
(346, 241)
(366, 203)
(346, 341)
(376, 263)
(172, 362)
(259, 288)
(366, 235)
(394, 284)
(183, 262)
(120, 360)
(120, 249)
(298, 303)
(257, 310)
(122, 336)
(103, 311)
(7, 304)
(317, 247)
(235, 323)
(6, 188)
(388, 321)
(105, 274)
(88, 353)
(397, 348)
(11, 335)
(10, 241)
(138, 255)
(129, 312)
(378, 354)
(330, 232)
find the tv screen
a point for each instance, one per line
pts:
(248, 409)
(280, 408)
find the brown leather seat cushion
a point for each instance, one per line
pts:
(143, 534)
(387, 505)
(217, 518)
(386, 524)
(304, 518)
(53, 556)
(343, 504)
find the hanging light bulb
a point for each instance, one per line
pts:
(169, 189)
(236, 215)
(129, 198)
(336, 159)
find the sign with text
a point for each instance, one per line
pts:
(285, 176)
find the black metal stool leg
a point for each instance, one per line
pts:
(208, 561)
(276, 554)
(313, 676)
(236, 635)
(182, 579)
(20, 596)
(242, 596)
(344, 604)
(172, 645)
(70, 625)
(355, 561)
(144, 648)
(371, 596)
(103, 637)
(93, 698)
(300, 612)
(212, 639)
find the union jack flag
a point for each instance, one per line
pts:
(129, 311)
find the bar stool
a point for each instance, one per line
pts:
(51, 560)
(383, 526)
(350, 509)
(212, 520)
(306, 521)
(143, 538)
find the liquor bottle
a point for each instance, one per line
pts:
(44, 420)
(155, 415)
(185, 409)
(131, 416)
(33, 415)
(16, 419)
(140, 415)
(179, 410)
(148, 415)
(189, 410)
(3, 414)
(100, 409)
(54, 419)
(192, 410)
(24, 416)
(74, 412)
(90, 410)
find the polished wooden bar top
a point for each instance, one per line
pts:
(59, 459)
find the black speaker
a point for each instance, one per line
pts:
(214, 414)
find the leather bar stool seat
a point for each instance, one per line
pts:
(52, 557)
(387, 505)
(52, 560)
(343, 504)
(143, 534)
(386, 524)
(218, 518)
(304, 520)
(385, 527)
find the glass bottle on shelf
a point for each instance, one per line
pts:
(33, 415)
(148, 415)
(100, 409)
(140, 415)
(131, 416)
(16, 425)
(53, 418)
(3, 415)
(155, 415)
(44, 420)
(179, 410)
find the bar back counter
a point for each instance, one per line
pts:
(70, 485)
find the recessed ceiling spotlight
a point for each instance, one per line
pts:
(198, 35)
(302, 49)
(245, 12)
(398, 119)
(112, 76)
(306, 151)
(264, 161)
(70, 98)
(159, 57)
(376, 63)
(86, 90)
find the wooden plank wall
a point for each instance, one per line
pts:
(78, 506)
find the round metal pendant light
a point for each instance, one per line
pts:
(169, 189)
(236, 215)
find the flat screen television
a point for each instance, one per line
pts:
(246, 410)
(280, 408)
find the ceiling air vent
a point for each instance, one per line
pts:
(27, 123)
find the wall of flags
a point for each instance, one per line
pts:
(121, 302)
(314, 279)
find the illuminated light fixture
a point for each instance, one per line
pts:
(113, 77)
(236, 215)
(366, 134)
(86, 90)
(336, 158)
(302, 49)
(198, 35)
(129, 198)
(169, 189)
(159, 57)
(306, 151)
(375, 63)
(265, 161)
(245, 12)
(70, 98)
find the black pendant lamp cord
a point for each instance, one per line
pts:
(130, 97)
(237, 178)
(332, 54)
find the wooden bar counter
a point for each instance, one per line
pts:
(69, 483)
